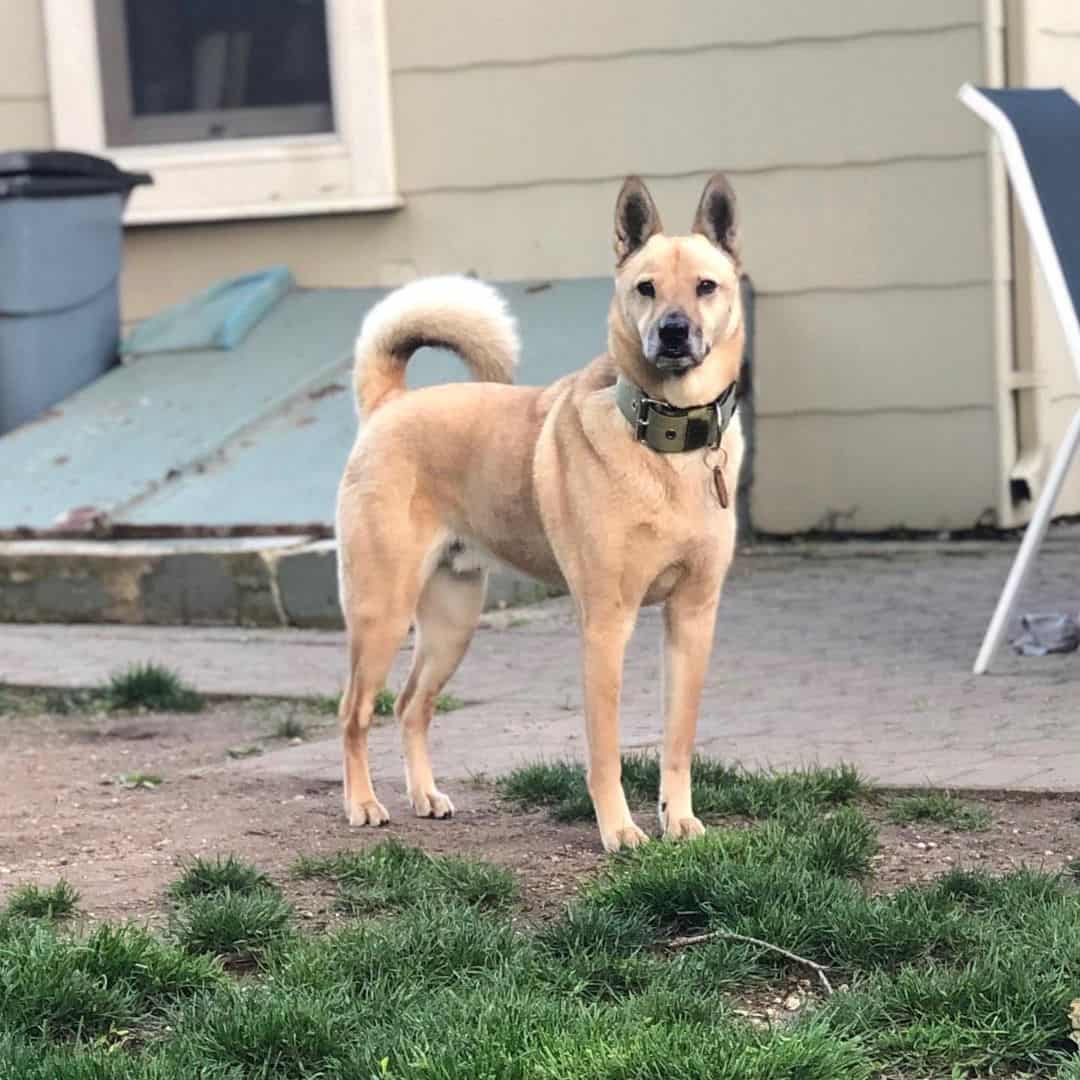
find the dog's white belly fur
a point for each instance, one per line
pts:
(462, 556)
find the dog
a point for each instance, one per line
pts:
(616, 482)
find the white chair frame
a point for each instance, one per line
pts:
(1026, 195)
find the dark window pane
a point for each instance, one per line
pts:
(200, 69)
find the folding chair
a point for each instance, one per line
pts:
(1039, 135)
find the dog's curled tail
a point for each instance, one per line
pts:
(452, 312)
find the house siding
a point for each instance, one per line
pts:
(24, 95)
(864, 192)
(1045, 51)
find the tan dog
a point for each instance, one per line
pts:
(609, 488)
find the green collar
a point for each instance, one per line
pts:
(670, 430)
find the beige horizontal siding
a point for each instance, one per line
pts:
(1059, 60)
(1061, 410)
(857, 228)
(862, 188)
(25, 125)
(22, 51)
(426, 34)
(800, 104)
(1055, 17)
(869, 473)
(897, 350)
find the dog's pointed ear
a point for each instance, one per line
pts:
(636, 219)
(715, 217)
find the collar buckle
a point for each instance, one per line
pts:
(641, 424)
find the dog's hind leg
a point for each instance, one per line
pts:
(378, 609)
(446, 617)
(371, 652)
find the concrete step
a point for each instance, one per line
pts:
(235, 581)
(291, 580)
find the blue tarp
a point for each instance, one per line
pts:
(220, 317)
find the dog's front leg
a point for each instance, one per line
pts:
(689, 623)
(605, 637)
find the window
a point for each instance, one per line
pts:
(239, 108)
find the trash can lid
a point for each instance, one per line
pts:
(57, 173)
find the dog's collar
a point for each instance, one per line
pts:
(671, 430)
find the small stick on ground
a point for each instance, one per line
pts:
(727, 935)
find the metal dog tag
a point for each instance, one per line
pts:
(721, 486)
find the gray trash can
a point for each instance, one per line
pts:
(60, 255)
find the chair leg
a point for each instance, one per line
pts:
(1033, 537)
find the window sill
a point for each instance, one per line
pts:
(265, 210)
(247, 178)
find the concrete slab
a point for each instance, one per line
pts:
(165, 582)
(240, 581)
(257, 435)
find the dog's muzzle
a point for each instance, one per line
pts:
(674, 345)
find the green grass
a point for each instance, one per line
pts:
(205, 877)
(718, 789)
(384, 703)
(390, 876)
(149, 781)
(63, 987)
(60, 901)
(290, 727)
(939, 808)
(23, 701)
(439, 975)
(232, 924)
(325, 704)
(152, 687)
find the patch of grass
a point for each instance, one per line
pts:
(260, 1033)
(384, 703)
(940, 808)
(289, 727)
(57, 987)
(238, 753)
(59, 901)
(24, 701)
(748, 880)
(149, 781)
(237, 925)
(205, 877)
(437, 942)
(391, 876)
(153, 687)
(325, 704)
(969, 976)
(1072, 868)
(718, 789)
(145, 780)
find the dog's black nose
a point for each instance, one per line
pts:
(674, 329)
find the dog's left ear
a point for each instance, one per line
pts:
(636, 219)
(715, 217)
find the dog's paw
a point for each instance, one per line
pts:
(682, 828)
(367, 813)
(622, 838)
(432, 804)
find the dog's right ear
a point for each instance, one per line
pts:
(636, 219)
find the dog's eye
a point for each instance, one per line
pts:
(705, 287)
(646, 288)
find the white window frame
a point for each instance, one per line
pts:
(349, 169)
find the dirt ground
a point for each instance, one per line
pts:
(64, 812)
